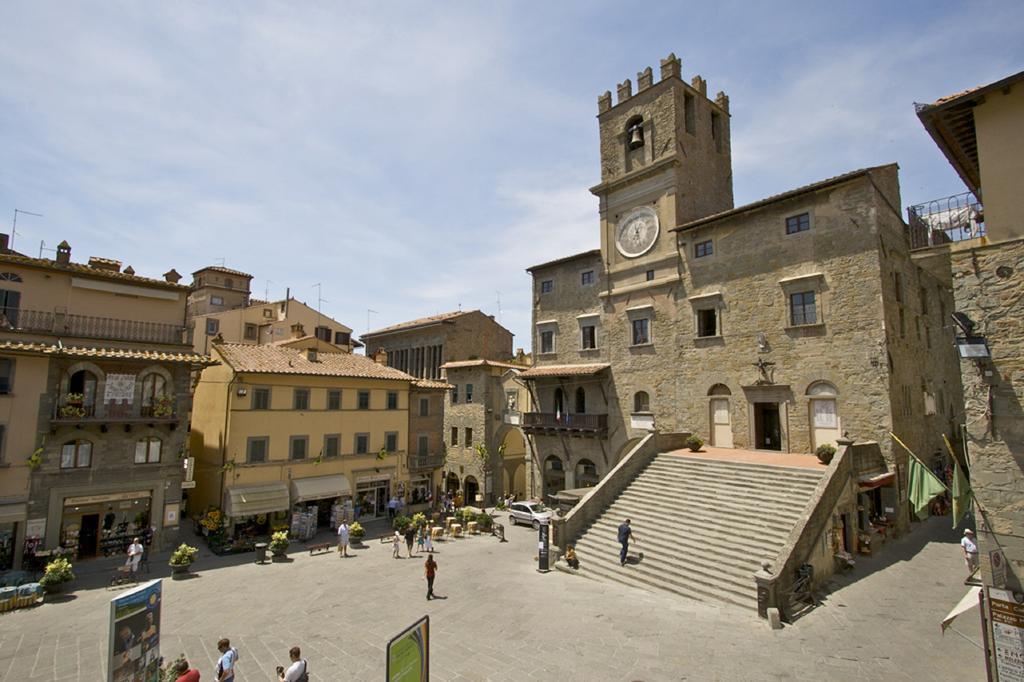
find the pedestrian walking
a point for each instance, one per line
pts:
(410, 538)
(298, 671)
(428, 539)
(970, 547)
(135, 551)
(429, 571)
(421, 539)
(396, 545)
(227, 661)
(343, 539)
(625, 535)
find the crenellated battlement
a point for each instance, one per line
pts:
(671, 67)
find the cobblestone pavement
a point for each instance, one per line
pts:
(502, 620)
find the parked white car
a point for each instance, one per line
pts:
(529, 513)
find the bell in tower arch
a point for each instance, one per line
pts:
(635, 130)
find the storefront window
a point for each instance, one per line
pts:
(419, 490)
(372, 498)
(7, 545)
(104, 525)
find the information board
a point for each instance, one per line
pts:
(133, 650)
(409, 653)
(1007, 634)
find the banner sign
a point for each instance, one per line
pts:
(133, 652)
(409, 653)
(119, 387)
(1007, 615)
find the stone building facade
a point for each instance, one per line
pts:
(981, 246)
(779, 325)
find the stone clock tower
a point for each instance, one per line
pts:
(665, 160)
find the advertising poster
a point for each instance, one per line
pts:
(409, 653)
(1007, 616)
(133, 654)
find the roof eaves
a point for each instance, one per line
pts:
(566, 259)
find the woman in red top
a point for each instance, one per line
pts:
(430, 570)
(186, 674)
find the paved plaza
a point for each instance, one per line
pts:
(502, 620)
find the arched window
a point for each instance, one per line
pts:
(719, 389)
(559, 402)
(83, 383)
(554, 475)
(229, 283)
(641, 402)
(76, 454)
(825, 423)
(147, 450)
(581, 401)
(9, 277)
(153, 386)
(822, 389)
(586, 474)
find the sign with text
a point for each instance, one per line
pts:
(543, 548)
(409, 653)
(133, 651)
(1007, 634)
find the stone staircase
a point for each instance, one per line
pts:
(704, 526)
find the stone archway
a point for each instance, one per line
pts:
(554, 475)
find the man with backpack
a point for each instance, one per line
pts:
(297, 671)
(227, 661)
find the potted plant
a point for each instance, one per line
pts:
(74, 406)
(695, 443)
(279, 544)
(163, 406)
(484, 522)
(182, 558)
(419, 519)
(825, 452)
(57, 573)
(35, 460)
(400, 523)
(356, 533)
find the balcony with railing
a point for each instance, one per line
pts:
(568, 424)
(423, 462)
(77, 412)
(945, 221)
(88, 326)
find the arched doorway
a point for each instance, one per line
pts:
(824, 414)
(586, 474)
(83, 386)
(581, 401)
(451, 483)
(554, 475)
(559, 402)
(472, 489)
(720, 416)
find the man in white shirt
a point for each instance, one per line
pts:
(135, 551)
(970, 548)
(296, 671)
(343, 539)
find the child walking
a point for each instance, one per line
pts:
(421, 539)
(396, 544)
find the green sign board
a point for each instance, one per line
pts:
(409, 653)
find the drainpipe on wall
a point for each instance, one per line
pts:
(224, 439)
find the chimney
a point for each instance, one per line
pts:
(311, 354)
(129, 270)
(298, 331)
(172, 276)
(5, 240)
(380, 356)
(64, 253)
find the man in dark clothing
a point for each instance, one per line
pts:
(429, 571)
(625, 534)
(410, 537)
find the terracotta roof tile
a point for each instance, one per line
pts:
(421, 322)
(457, 364)
(227, 271)
(566, 259)
(431, 384)
(564, 370)
(284, 360)
(82, 269)
(105, 353)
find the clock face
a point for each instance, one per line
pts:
(637, 232)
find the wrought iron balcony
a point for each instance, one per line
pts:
(421, 462)
(88, 326)
(65, 412)
(945, 221)
(571, 424)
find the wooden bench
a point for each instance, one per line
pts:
(320, 547)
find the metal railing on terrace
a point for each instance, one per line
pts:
(567, 422)
(945, 221)
(80, 412)
(88, 326)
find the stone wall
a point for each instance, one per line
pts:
(989, 290)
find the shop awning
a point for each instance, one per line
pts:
(13, 513)
(256, 499)
(319, 487)
(969, 601)
(870, 482)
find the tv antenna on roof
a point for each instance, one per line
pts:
(368, 311)
(220, 261)
(14, 227)
(499, 305)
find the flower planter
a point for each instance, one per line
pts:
(53, 588)
(179, 569)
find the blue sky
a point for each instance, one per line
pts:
(415, 157)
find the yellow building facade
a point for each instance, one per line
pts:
(280, 428)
